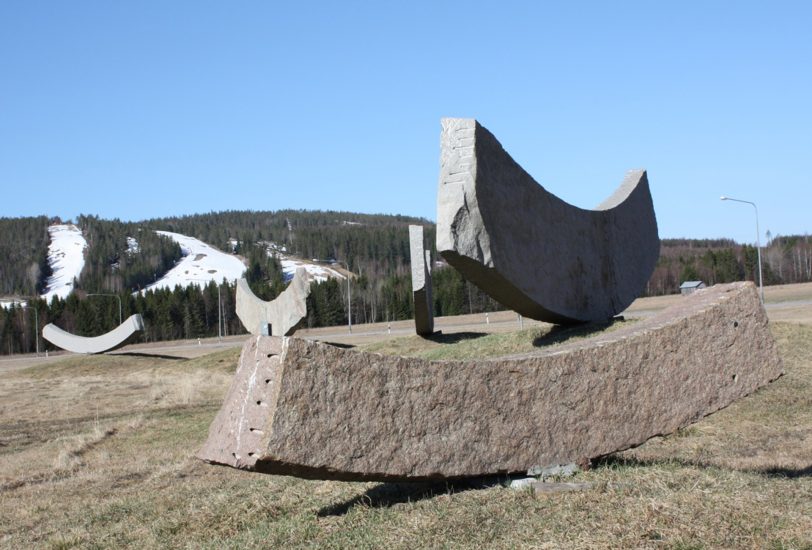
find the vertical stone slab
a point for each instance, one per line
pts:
(421, 282)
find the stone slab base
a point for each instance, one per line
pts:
(313, 410)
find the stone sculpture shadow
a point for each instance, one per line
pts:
(151, 355)
(559, 334)
(390, 494)
(613, 461)
(341, 345)
(454, 337)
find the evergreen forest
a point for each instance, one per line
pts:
(374, 247)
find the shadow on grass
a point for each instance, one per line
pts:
(391, 493)
(455, 337)
(338, 344)
(562, 333)
(613, 461)
(151, 355)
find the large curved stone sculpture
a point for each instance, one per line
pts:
(109, 341)
(528, 249)
(421, 282)
(309, 409)
(282, 315)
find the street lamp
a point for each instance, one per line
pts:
(36, 322)
(119, 302)
(349, 295)
(758, 242)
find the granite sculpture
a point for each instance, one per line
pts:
(528, 249)
(109, 341)
(279, 317)
(309, 409)
(421, 282)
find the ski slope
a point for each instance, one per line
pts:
(200, 264)
(66, 258)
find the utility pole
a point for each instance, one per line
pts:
(758, 242)
(349, 295)
(36, 328)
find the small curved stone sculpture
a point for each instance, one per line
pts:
(528, 249)
(278, 317)
(421, 282)
(109, 341)
(309, 409)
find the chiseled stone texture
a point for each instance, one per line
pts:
(421, 282)
(108, 341)
(283, 313)
(528, 249)
(309, 409)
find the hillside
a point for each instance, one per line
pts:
(150, 265)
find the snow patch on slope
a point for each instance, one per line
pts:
(315, 272)
(132, 246)
(66, 258)
(200, 264)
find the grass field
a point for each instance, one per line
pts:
(98, 452)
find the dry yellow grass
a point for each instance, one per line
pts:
(98, 452)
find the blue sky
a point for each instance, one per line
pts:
(144, 109)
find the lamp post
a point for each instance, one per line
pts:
(119, 303)
(27, 305)
(349, 296)
(758, 242)
(36, 328)
(36, 325)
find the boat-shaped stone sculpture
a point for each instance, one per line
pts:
(310, 409)
(528, 249)
(108, 341)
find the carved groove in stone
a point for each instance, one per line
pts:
(332, 413)
(528, 249)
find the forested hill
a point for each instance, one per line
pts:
(374, 244)
(23, 255)
(375, 247)
(370, 241)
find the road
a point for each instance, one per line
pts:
(789, 303)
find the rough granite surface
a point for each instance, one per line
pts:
(309, 409)
(109, 341)
(283, 313)
(421, 282)
(528, 249)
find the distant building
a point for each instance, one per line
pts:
(690, 286)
